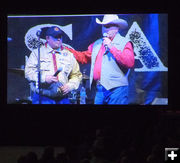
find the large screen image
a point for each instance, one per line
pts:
(100, 59)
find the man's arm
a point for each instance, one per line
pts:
(75, 78)
(125, 57)
(84, 56)
(31, 67)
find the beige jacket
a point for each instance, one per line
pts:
(69, 75)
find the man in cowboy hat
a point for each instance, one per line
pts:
(53, 57)
(111, 58)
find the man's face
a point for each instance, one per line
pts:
(110, 29)
(54, 43)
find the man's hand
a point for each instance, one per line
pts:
(107, 41)
(65, 89)
(50, 79)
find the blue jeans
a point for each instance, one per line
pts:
(115, 96)
(47, 100)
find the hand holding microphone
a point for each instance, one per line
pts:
(58, 71)
(106, 42)
(53, 78)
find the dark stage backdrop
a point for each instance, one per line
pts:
(148, 32)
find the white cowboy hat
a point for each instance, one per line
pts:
(113, 19)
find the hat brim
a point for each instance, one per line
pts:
(120, 22)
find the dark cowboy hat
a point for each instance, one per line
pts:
(53, 31)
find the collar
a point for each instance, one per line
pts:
(51, 49)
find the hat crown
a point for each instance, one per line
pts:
(114, 19)
(54, 31)
(110, 17)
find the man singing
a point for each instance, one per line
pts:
(111, 59)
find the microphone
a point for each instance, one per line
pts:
(106, 47)
(58, 71)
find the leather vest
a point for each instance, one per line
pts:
(112, 74)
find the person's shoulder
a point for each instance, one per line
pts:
(97, 42)
(122, 39)
(68, 53)
(66, 50)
